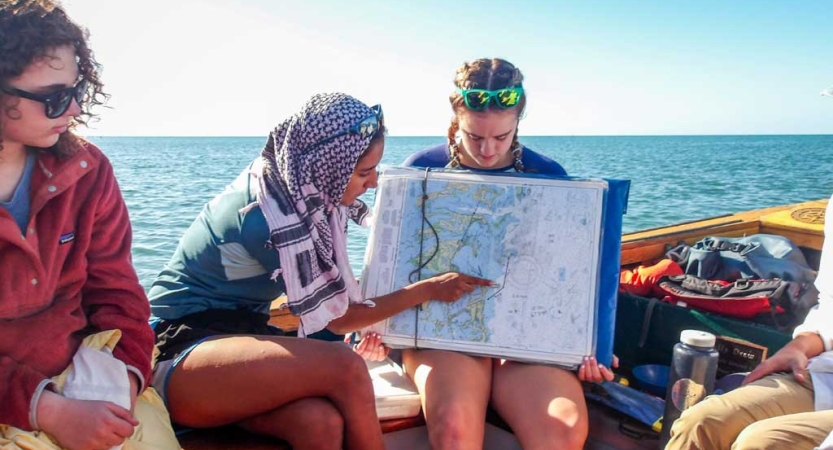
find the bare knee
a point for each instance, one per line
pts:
(349, 362)
(325, 431)
(322, 427)
(567, 431)
(571, 436)
(353, 370)
(450, 427)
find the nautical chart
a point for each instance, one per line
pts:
(538, 239)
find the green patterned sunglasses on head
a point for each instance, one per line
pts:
(478, 99)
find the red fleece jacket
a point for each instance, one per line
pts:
(69, 277)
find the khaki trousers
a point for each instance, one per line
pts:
(773, 413)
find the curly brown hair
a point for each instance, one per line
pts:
(488, 74)
(29, 31)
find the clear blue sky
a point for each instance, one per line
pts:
(237, 67)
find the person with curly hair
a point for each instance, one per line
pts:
(66, 278)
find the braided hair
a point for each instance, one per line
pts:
(488, 74)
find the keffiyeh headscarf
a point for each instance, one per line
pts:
(300, 196)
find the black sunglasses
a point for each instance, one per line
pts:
(58, 102)
(365, 128)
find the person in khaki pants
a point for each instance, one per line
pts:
(787, 401)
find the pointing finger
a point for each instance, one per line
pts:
(477, 281)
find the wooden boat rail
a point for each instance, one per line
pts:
(649, 245)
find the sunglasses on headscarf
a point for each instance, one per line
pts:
(56, 103)
(478, 99)
(365, 128)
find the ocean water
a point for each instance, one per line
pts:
(166, 180)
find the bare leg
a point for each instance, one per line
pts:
(544, 405)
(307, 424)
(259, 374)
(454, 389)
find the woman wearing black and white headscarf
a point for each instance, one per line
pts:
(280, 228)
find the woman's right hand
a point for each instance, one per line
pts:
(84, 424)
(593, 372)
(371, 348)
(450, 286)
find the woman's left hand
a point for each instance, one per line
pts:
(371, 348)
(593, 372)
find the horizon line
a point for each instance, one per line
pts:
(443, 137)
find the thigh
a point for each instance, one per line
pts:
(306, 423)
(791, 432)
(718, 420)
(447, 380)
(542, 404)
(230, 378)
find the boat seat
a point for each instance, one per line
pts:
(228, 438)
(605, 434)
(417, 439)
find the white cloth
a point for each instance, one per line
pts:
(821, 371)
(97, 375)
(820, 320)
(827, 444)
(308, 163)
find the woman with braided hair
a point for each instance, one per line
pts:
(543, 405)
(280, 228)
(488, 102)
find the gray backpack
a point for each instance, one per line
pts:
(760, 256)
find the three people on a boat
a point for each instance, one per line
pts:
(70, 298)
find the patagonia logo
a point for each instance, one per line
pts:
(68, 237)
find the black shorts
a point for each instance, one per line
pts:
(177, 336)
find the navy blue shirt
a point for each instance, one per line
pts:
(20, 204)
(440, 156)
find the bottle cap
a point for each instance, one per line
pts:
(697, 338)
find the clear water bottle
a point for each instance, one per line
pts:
(691, 378)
